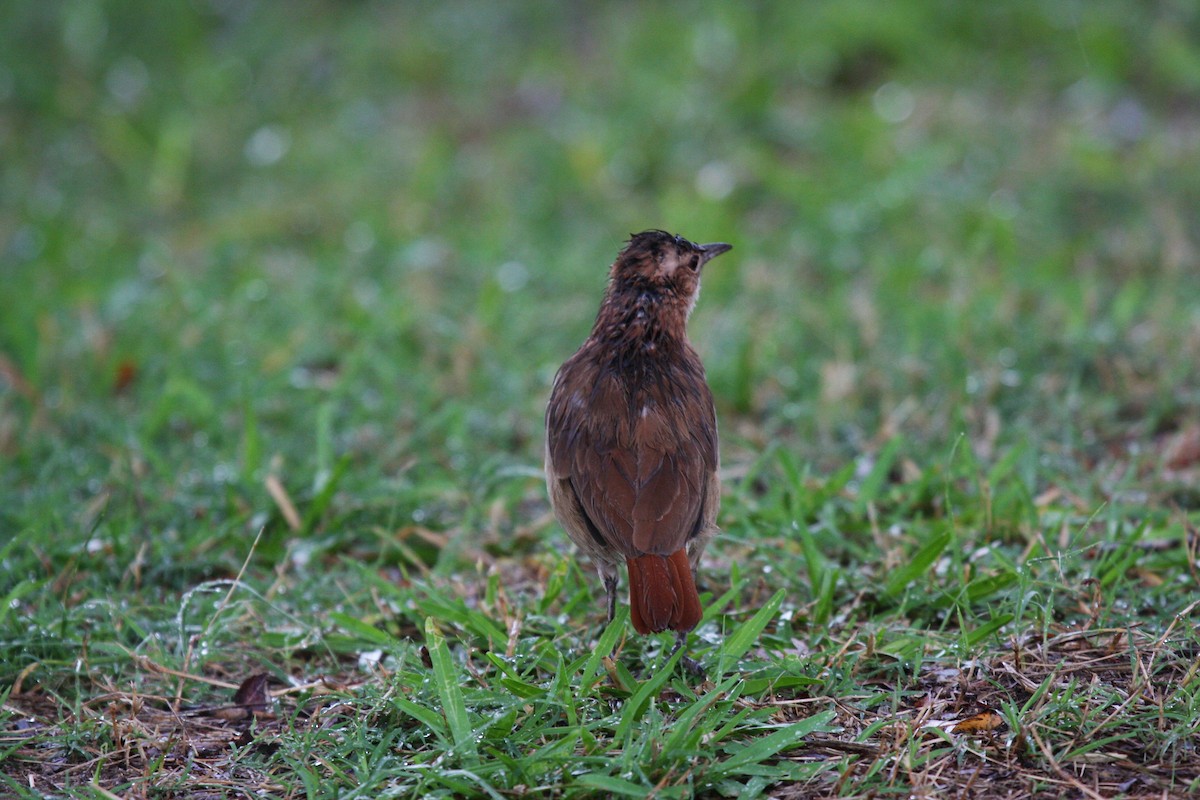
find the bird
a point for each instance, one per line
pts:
(631, 436)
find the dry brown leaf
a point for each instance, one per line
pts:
(982, 722)
(253, 692)
(251, 698)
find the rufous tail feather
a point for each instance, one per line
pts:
(662, 593)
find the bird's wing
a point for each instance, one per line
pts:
(640, 471)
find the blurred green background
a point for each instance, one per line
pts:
(349, 243)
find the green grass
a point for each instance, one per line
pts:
(283, 289)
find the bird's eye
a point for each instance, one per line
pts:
(694, 263)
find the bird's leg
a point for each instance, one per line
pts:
(690, 664)
(610, 587)
(610, 578)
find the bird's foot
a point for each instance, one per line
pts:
(689, 664)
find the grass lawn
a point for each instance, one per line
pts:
(282, 290)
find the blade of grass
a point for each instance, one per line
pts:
(987, 629)
(686, 725)
(362, 629)
(636, 704)
(453, 705)
(23, 588)
(612, 786)
(324, 444)
(604, 646)
(921, 561)
(251, 439)
(814, 559)
(873, 484)
(554, 586)
(426, 716)
(768, 746)
(741, 640)
(713, 609)
(328, 483)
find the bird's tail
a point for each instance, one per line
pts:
(662, 593)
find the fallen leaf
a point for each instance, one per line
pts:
(250, 699)
(253, 692)
(982, 722)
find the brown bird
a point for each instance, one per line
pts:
(631, 435)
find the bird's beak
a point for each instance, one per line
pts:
(710, 251)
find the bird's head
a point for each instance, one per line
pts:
(665, 265)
